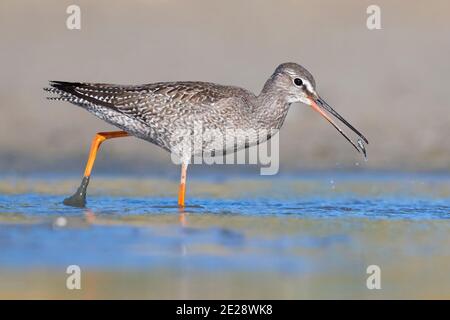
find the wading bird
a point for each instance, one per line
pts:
(161, 112)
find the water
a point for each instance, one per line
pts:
(363, 148)
(302, 236)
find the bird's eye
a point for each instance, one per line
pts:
(298, 82)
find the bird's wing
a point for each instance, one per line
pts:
(146, 102)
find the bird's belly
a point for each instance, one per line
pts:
(215, 142)
(182, 140)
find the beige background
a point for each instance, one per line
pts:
(392, 83)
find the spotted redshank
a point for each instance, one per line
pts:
(161, 112)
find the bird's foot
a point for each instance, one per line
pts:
(78, 199)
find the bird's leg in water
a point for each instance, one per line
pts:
(78, 199)
(182, 190)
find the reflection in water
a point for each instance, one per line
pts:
(182, 216)
(89, 216)
(280, 243)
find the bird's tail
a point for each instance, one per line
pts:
(62, 91)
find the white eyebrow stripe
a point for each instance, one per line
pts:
(308, 86)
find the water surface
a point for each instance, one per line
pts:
(303, 236)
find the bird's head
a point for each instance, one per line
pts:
(296, 84)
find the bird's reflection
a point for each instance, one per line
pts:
(182, 216)
(89, 216)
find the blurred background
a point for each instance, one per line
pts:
(389, 83)
(309, 233)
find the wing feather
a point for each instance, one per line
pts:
(144, 102)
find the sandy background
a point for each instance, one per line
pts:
(392, 83)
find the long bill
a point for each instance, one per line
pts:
(319, 105)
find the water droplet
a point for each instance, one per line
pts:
(332, 184)
(60, 222)
(363, 148)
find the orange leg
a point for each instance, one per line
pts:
(79, 198)
(96, 142)
(182, 190)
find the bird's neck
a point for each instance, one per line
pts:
(272, 107)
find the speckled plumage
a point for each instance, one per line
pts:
(166, 113)
(162, 113)
(191, 119)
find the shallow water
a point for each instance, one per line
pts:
(302, 236)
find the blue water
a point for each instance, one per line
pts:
(387, 207)
(290, 226)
